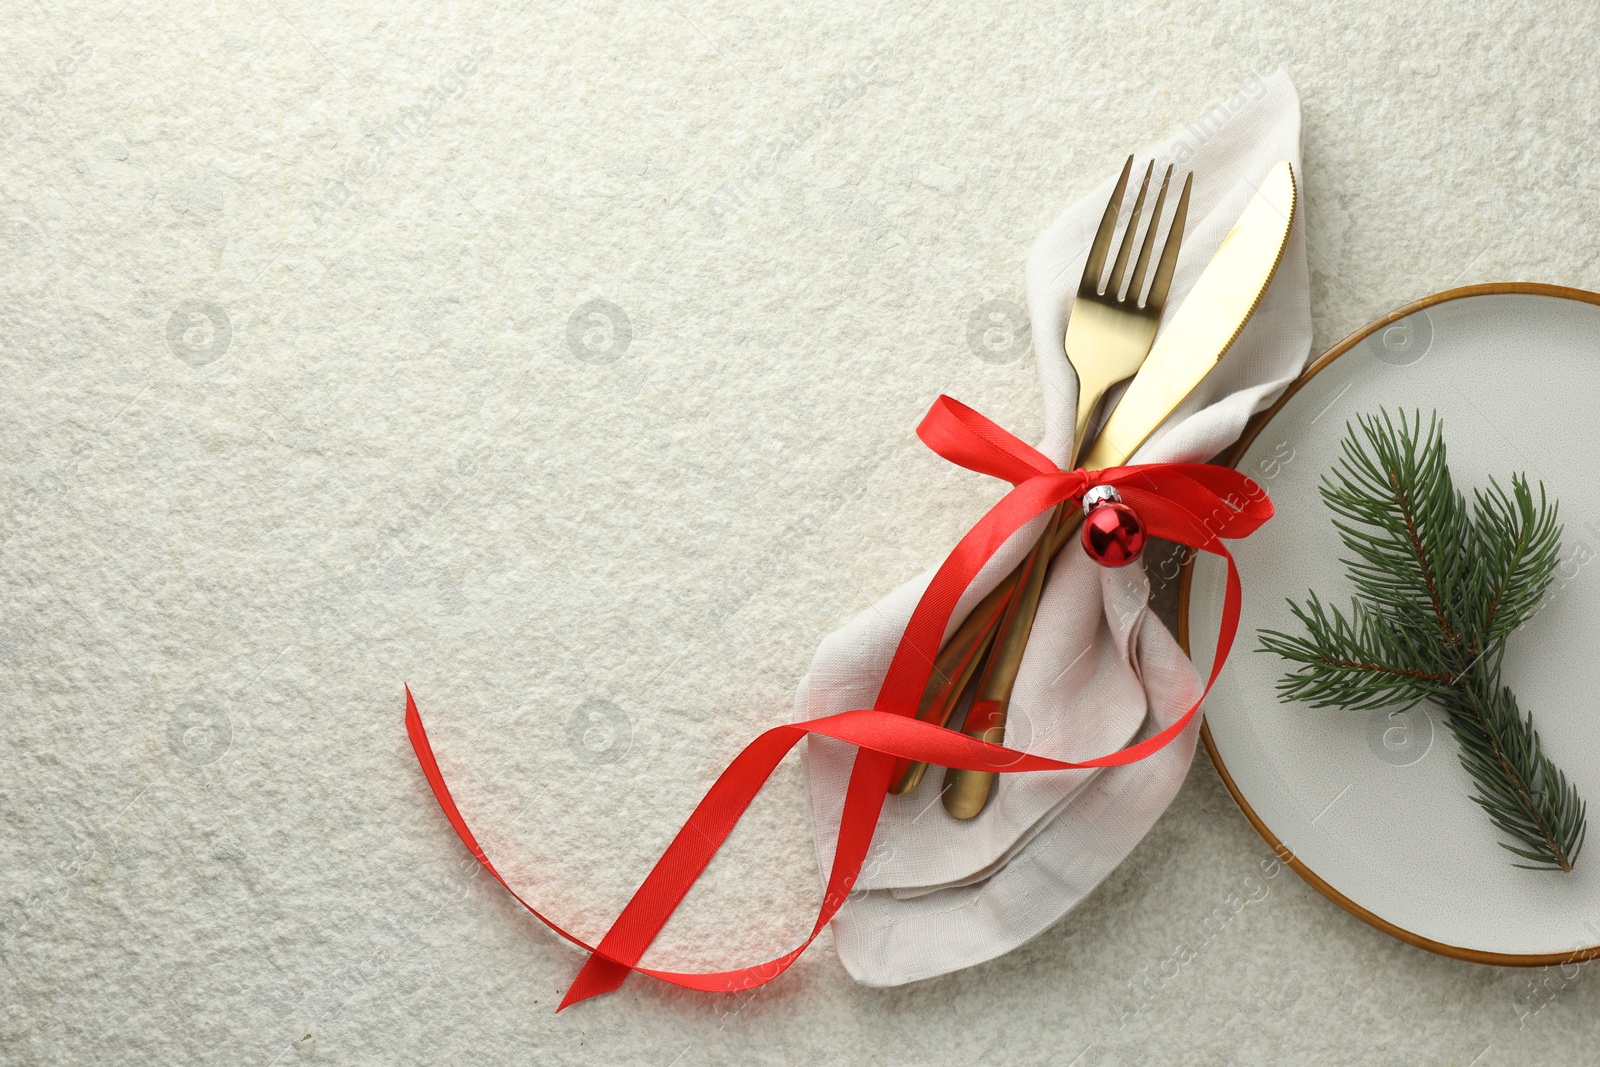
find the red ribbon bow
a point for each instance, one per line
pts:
(1194, 504)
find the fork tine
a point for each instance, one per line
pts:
(1169, 254)
(1114, 285)
(1136, 286)
(1102, 240)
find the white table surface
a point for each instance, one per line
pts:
(294, 410)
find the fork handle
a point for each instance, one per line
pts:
(1088, 400)
(965, 793)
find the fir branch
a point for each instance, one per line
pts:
(1440, 585)
(1520, 788)
(1355, 661)
(1520, 545)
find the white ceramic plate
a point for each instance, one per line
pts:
(1373, 808)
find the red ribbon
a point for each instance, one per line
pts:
(1193, 504)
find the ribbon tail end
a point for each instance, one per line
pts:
(597, 977)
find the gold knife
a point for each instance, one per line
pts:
(1205, 326)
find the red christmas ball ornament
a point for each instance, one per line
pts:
(1113, 533)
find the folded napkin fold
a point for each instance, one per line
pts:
(1100, 671)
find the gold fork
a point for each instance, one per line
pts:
(1107, 338)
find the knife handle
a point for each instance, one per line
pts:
(965, 792)
(957, 663)
(959, 659)
(940, 699)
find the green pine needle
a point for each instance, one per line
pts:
(1441, 583)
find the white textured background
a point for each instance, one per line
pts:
(303, 395)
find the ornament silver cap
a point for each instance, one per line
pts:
(1098, 495)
